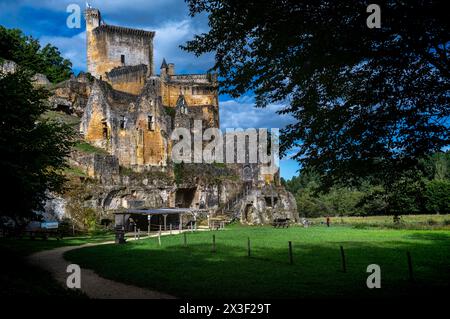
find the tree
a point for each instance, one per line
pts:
(438, 196)
(366, 101)
(27, 52)
(33, 150)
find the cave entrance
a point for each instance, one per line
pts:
(184, 197)
(247, 212)
(269, 202)
(67, 109)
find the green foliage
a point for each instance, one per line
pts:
(28, 53)
(423, 190)
(33, 149)
(366, 101)
(406, 194)
(83, 217)
(437, 196)
(85, 147)
(178, 171)
(170, 111)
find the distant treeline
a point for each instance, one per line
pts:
(28, 53)
(425, 189)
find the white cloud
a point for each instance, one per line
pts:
(242, 113)
(72, 48)
(169, 37)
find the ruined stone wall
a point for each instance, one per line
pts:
(194, 94)
(102, 167)
(71, 96)
(129, 79)
(134, 129)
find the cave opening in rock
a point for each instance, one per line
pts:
(269, 203)
(184, 197)
(63, 108)
(247, 212)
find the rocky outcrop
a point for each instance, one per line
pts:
(71, 96)
(7, 66)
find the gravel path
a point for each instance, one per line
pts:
(92, 284)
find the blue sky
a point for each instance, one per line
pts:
(46, 20)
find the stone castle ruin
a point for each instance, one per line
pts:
(127, 114)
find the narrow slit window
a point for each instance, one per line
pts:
(151, 123)
(122, 123)
(122, 59)
(105, 130)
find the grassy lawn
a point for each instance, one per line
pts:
(195, 271)
(18, 278)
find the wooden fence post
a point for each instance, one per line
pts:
(214, 244)
(410, 268)
(291, 259)
(344, 266)
(170, 227)
(159, 235)
(248, 246)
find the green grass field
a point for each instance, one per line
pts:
(196, 271)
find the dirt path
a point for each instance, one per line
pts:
(92, 284)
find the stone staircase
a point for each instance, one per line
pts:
(234, 206)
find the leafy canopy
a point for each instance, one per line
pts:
(366, 101)
(27, 52)
(33, 150)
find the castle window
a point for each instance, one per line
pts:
(122, 59)
(105, 129)
(150, 123)
(122, 123)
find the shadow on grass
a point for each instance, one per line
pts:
(430, 236)
(19, 279)
(196, 272)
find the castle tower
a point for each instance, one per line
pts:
(93, 19)
(114, 47)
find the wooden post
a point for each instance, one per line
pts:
(159, 236)
(170, 227)
(344, 266)
(184, 239)
(135, 235)
(410, 268)
(192, 229)
(139, 233)
(214, 244)
(291, 259)
(248, 246)
(165, 222)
